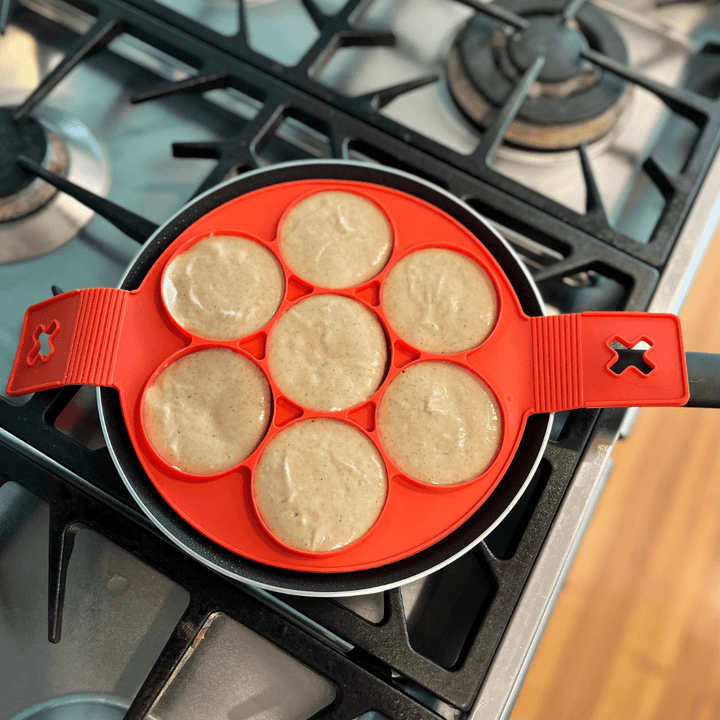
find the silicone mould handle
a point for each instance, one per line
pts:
(575, 356)
(82, 332)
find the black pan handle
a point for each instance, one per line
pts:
(703, 370)
(703, 373)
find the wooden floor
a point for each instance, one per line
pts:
(635, 631)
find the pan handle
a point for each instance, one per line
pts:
(71, 339)
(703, 371)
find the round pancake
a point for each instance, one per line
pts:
(328, 353)
(336, 239)
(440, 301)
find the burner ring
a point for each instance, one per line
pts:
(570, 103)
(37, 193)
(21, 193)
(56, 220)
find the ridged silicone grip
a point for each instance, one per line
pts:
(82, 332)
(557, 363)
(95, 337)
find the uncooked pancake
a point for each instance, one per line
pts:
(328, 353)
(440, 300)
(336, 239)
(206, 412)
(223, 287)
(319, 485)
(439, 423)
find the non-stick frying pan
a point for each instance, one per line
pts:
(232, 540)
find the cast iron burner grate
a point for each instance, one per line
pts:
(355, 125)
(337, 31)
(358, 689)
(574, 251)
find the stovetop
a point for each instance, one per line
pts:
(154, 103)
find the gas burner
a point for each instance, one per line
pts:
(35, 219)
(21, 193)
(95, 705)
(571, 101)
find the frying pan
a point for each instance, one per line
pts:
(490, 502)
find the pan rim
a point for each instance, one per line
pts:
(306, 583)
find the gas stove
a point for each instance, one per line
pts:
(586, 133)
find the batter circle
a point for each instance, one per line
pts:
(206, 412)
(223, 287)
(328, 353)
(336, 239)
(319, 485)
(439, 423)
(440, 300)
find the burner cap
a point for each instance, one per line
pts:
(560, 45)
(571, 101)
(25, 137)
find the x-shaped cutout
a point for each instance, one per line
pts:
(41, 334)
(628, 355)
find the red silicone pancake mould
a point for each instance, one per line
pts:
(122, 339)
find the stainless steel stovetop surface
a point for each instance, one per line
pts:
(120, 611)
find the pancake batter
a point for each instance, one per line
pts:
(319, 485)
(439, 423)
(206, 412)
(336, 239)
(440, 300)
(328, 353)
(223, 287)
